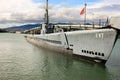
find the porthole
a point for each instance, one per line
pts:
(87, 51)
(98, 54)
(95, 53)
(103, 54)
(82, 51)
(92, 52)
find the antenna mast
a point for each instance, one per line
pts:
(46, 15)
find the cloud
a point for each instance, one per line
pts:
(16, 12)
(20, 11)
(95, 11)
(106, 7)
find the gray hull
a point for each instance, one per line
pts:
(93, 45)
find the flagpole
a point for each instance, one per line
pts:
(85, 15)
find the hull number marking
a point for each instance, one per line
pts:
(99, 35)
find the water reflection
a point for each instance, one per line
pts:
(61, 67)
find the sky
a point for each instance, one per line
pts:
(20, 12)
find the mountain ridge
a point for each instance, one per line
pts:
(22, 28)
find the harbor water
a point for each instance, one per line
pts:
(20, 60)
